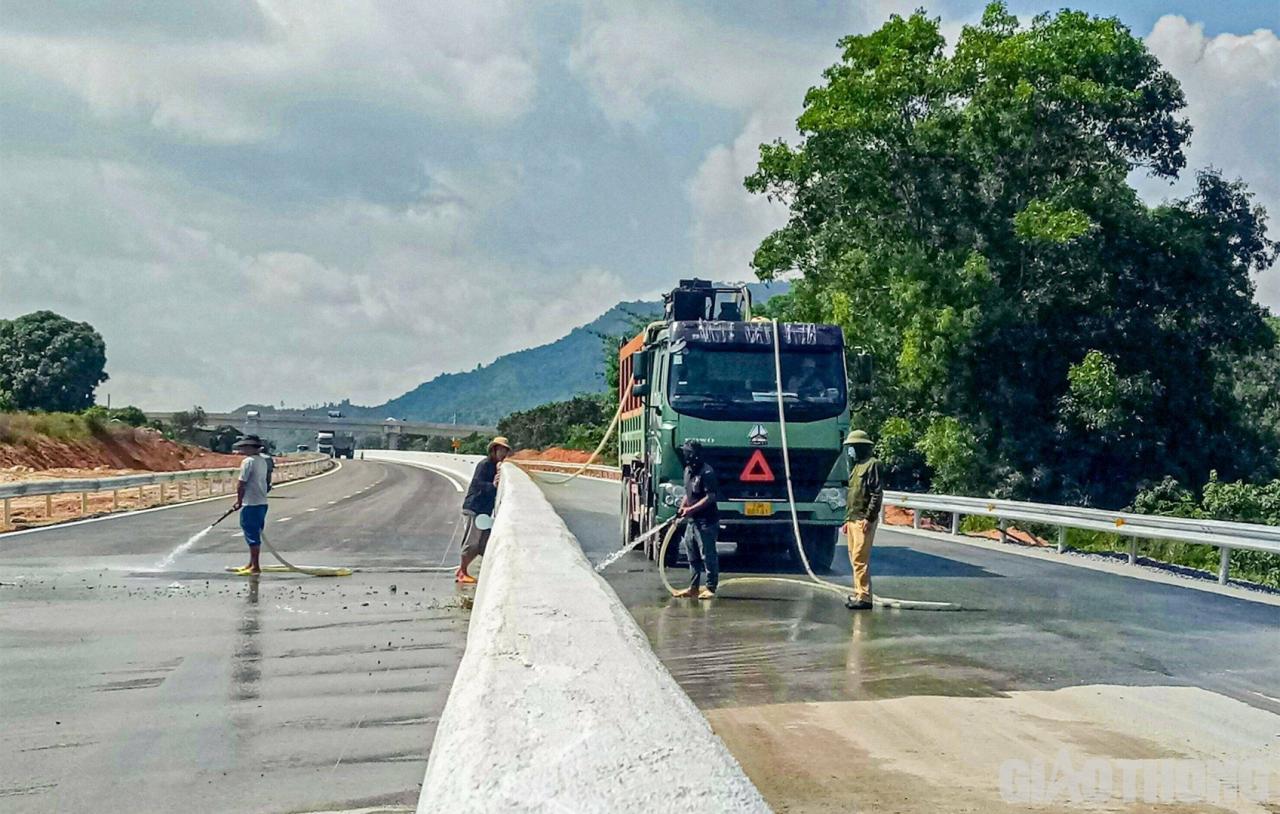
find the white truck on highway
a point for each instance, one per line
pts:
(337, 444)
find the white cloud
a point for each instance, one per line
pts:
(193, 312)
(461, 59)
(729, 222)
(1232, 85)
(630, 55)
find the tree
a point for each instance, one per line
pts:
(221, 438)
(578, 420)
(48, 362)
(185, 423)
(1038, 331)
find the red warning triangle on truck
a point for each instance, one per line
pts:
(757, 469)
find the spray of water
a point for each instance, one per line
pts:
(184, 548)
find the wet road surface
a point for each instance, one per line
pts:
(777, 668)
(130, 688)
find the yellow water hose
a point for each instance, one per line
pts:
(814, 580)
(287, 567)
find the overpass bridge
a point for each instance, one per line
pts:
(390, 429)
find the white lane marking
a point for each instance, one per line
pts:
(284, 519)
(6, 535)
(331, 502)
(451, 477)
(313, 509)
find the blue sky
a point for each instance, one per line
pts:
(283, 200)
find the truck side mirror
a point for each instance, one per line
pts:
(863, 367)
(639, 389)
(641, 362)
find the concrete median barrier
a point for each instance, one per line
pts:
(559, 703)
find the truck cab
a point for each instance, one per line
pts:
(696, 375)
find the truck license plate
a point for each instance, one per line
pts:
(757, 509)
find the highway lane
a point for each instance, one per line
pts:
(132, 688)
(824, 707)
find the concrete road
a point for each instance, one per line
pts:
(913, 711)
(137, 675)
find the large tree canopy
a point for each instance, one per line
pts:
(1038, 330)
(48, 362)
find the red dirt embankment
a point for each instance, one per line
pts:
(118, 452)
(898, 516)
(569, 456)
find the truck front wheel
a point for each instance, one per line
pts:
(628, 525)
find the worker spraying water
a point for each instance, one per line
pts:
(702, 522)
(251, 498)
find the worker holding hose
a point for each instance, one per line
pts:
(699, 509)
(251, 497)
(482, 496)
(862, 515)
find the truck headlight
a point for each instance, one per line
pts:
(833, 497)
(672, 494)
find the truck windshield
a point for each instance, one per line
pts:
(740, 385)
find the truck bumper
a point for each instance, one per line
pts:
(815, 514)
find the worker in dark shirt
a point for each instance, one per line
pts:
(862, 514)
(699, 509)
(482, 494)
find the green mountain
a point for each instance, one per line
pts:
(569, 366)
(572, 365)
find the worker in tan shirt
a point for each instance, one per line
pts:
(862, 515)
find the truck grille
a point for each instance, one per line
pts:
(809, 471)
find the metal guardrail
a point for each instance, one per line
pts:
(284, 471)
(1221, 534)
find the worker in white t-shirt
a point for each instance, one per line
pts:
(251, 498)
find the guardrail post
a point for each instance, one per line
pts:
(915, 518)
(115, 500)
(1004, 534)
(955, 523)
(84, 503)
(1224, 565)
(4, 515)
(1133, 550)
(48, 507)
(1062, 539)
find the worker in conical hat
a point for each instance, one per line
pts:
(479, 502)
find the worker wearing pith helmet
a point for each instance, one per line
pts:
(481, 497)
(862, 514)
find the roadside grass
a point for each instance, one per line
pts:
(28, 428)
(1251, 566)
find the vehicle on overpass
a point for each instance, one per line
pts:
(335, 443)
(706, 372)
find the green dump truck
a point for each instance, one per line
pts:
(706, 372)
